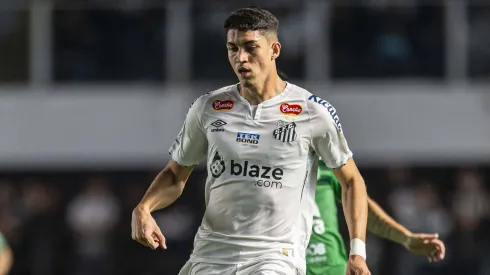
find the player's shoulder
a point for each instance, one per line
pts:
(297, 93)
(319, 108)
(310, 98)
(218, 99)
(316, 102)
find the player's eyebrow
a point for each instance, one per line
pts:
(251, 41)
(248, 42)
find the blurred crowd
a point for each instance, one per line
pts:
(96, 41)
(79, 222)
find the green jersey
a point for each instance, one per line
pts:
(3, 242)
(326, 253)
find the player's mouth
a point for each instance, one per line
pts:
(244, 72)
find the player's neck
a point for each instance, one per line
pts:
(258, 93)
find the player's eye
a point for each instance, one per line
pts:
(233, 49)
(251, 48)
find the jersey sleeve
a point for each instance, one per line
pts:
(328, 139)
(190, 146)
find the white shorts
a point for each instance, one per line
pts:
(266, 267)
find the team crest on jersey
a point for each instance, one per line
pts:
(223, 105)
(285, 131)
(217, 166)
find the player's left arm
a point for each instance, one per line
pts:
(354, 201)
(382, 225)
(329, 142)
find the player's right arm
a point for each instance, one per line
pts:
(163, 191)
(166, 187)
(6, 256)
(187, 151)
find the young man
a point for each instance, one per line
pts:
(326, 252)
(6, 256)
(262, 139)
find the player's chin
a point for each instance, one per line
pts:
(247, 81)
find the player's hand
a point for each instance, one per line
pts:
(357, 266)
(145, 230)
(427, 245)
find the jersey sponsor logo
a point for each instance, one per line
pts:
(264, 176)
(247, 138)
(330, 109)
(217, 166)
(223, 105)
(291, 109)
(285, 131)
(218, 126)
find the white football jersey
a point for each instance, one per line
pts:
(262, 165)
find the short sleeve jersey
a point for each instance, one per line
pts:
(262, 170)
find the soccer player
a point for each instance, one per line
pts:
(6, 256)
(262, 139)
(326, 253)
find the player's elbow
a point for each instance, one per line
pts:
(179, 188)
(355, 182)
(173, 180)
(178, 173)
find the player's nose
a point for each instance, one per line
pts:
(242, 56)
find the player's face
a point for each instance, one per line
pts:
(251, 55)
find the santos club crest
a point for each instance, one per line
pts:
(285, 131)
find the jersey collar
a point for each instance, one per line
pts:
(279, 98)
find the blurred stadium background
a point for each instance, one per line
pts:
(93, 92)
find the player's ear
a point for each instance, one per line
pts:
(276, 50)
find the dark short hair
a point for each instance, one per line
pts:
(252, 18)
